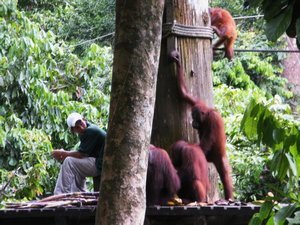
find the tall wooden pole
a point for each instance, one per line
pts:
(186, 28)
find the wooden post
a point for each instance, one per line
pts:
(186, 28)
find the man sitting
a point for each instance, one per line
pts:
(85, 162)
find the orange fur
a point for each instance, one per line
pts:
(224, 26)
(210, 126)
(192, 168)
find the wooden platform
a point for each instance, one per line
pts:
(171, 215)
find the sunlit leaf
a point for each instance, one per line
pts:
(295, 220)
(270, 221)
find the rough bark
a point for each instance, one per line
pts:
(136, 58)
(172, 118)
(291, 65)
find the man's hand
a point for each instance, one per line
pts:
(59, 154)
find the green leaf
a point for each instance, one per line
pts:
(298, 32)
(268, 131)
(295, 220)
(255, 220)
(12, 161)
(280, 164)
(265, 210)
(255, 110)
(298, 27)
(298, 143)
(270, 221)
(260, 127)
(272, 8)
(278, 135)
(254, 3)
(292, 163)
(276, 26)
(290, 141)
(282, 167)
(250, 120)
(283, 214)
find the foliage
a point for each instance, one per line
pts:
(247, 159)
(249, 75)
(27, 169)
(92, 19)
(41, 82)
(273, 213)
(249, 71)
(256, 169)
(270, 123)
(34, 171)
(280, 17)
(7, 8)
(81, 22)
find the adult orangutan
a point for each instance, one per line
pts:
(162, 179)
(192, 168)
(224, 26)
(209, 124)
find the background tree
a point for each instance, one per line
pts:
(136, 57)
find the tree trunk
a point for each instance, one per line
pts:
(291, 65)
(136, 58)
(172, 117)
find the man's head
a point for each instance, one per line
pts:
(76, 122)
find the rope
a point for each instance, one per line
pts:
(171, 29)
(95, 39)
(186, 30)
(261, 50)
(247, 17)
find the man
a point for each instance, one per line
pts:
(86, 162)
